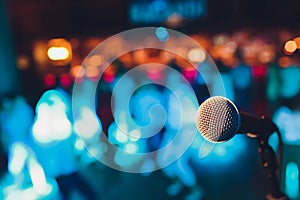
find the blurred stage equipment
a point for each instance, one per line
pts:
(218, 120)
(9, 72)
(173, 13)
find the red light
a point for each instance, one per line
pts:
(50, 80)
(190, 74)
(109, 77)
(65, 80)
(259, 71)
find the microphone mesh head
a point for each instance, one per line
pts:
(218, 119)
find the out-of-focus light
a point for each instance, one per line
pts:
(88, 125)
(92, 73)
(38, 177)
(40, 52)
(140, 56)
(19, 155)
(297, 40)
(109, 74)
(174, 20)
(51, 122)
(190, 73)
(79, 145)
(127, 60)
(220, 39)
(75, 43)
(109, 77)
(224, 153)
(134, 135)
(196, 55)
(50, 80)
(58, 53)
(266, 56)
(284, 61)
(121, 137)
(230, 47)
(158, 5)
(249, 51)
(77, 71)
(23, 62)
(131, 147)
(221, 151)
(91, 43)
(292, 180)
(290, 47)
(165, 57)
(94, 61)
(259, 71)
(162, 34)
(94, 151)
(65, 80)
(154, 74)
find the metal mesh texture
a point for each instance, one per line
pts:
(218, 119)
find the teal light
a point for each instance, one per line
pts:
(225, 154)
(162, 34)
(292, 180)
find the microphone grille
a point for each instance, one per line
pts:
(218, 119)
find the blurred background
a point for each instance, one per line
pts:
(43, 43)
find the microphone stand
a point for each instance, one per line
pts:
(267, 155)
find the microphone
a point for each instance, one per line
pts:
(218, 120)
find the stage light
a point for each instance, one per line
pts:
(131, 148)
(88, 125)
(189, 73)
(220, 39)
(65, 80)
(51, 123)
(23, 62)
(284, 61)
(290, 47)
(196, 55)
(19, 155)
(140, 56)
(134, 135)
(109, 74)
(50, 80)
(59, 51)
(162, 34)
(95, 60)
(92, 73)
(267, 55)
(121, 136)
(230, 47)
(174, 20)
(297, 40)
(77, 71)
(38, 177)
(292, 180)
(79, 144)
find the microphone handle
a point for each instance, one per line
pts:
(261, 127)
